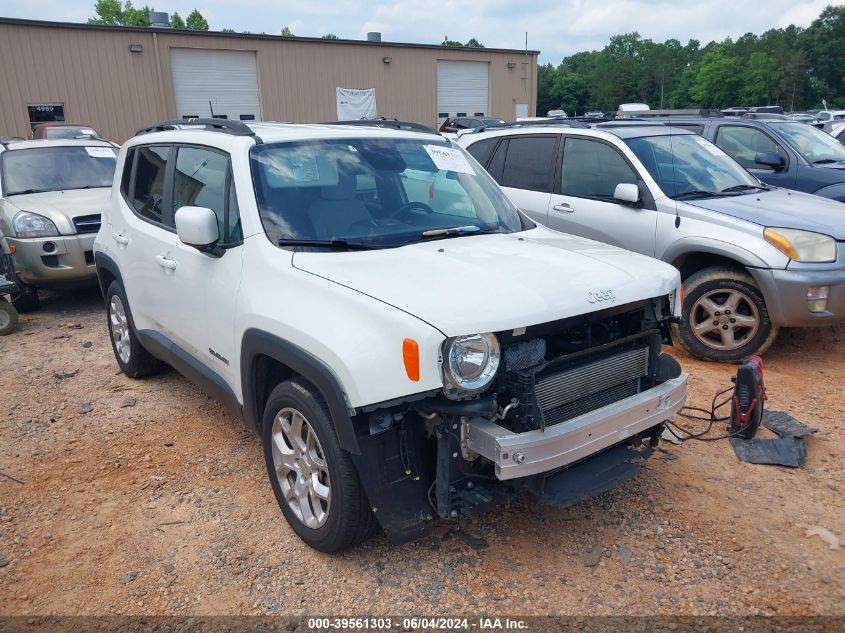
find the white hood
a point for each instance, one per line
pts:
(488, 283)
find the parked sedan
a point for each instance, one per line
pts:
(51, 197)
(61, 130)
(753, 258)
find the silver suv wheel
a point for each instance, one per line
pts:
(119, 328)
(724, 319)
(301, 468)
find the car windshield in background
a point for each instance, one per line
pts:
(492, 121)
(689, 166)
(815, 146)
(379, 192)
(69, 133)
(43, 169)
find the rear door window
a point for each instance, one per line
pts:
(148, 184)
(482, 150)
(530, 163)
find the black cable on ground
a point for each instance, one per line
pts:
(711, 418)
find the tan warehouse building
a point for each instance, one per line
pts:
(118, 79)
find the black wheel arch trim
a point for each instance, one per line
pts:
(104, 262)
(257, 343)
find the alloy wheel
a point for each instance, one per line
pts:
(119, 328)
(301, 468)
(724, 319)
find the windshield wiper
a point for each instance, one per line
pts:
(456, 231)
(23, 192)
(699, 194)
(745, 188)
(338, 243)
(827, 161)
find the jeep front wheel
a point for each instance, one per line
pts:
(314, 481)
(724, 316)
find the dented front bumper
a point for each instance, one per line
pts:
(534, 452)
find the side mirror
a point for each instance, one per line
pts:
(770, 159)
(197, 227)
(627, 193)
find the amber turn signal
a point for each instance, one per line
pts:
(411, 357)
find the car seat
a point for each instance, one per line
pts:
(337, 210)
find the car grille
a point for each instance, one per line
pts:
(567, 394)
(87, 223)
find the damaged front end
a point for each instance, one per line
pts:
(573, 408)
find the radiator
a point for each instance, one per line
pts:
(573, 392)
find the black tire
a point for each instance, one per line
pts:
(26, 300)
(718, 284)
(8, 317)
(349, 518)
(140, 362)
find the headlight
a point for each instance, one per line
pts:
(469, 363)
(802, 246)
(33, 225)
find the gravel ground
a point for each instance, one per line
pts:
(148, 498)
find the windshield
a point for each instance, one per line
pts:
(43, 169)
(813, 144)
(687, 164)
(69, 132)
(382, 192)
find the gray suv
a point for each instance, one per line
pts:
(753, 257)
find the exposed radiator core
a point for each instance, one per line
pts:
(570, 393)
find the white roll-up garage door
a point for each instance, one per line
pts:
(463, 89)
(227, 79)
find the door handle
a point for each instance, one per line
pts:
(564, 207)
(120, 239)
(166, 262)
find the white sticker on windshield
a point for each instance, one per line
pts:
(448, 159)
(100, 152)
(709, 146)
(304, 169)
(87, 131)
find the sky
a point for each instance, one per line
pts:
(555, 27)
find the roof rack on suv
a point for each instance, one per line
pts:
(236, 128)
(644, 114)
(517, 124)
(384, 122)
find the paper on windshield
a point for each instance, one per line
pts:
(709, 146)
(448, 159)
(100, 152)
(87, 131)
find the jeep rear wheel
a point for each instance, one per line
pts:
(132, 358)
(314, 481)
(724, 316)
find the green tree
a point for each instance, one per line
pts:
(176, 21)
(330, 36)
(453, 43)
(762, 75)
(825, 46)
(474, 43)
(718, 81)
(195, 21)
(286, 32)
(113, 13)
(227, 30)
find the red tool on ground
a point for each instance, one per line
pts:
(749, 396)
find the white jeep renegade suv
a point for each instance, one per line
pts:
(405, 341)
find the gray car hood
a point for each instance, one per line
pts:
(782, 208)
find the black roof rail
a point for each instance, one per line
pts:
(396, 124)
(518, 124)
(649, 114)
(226, 126)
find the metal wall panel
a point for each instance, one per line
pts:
(100, 82)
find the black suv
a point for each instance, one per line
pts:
(783, 153)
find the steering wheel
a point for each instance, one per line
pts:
(410, 208)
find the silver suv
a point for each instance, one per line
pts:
(752, 257)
